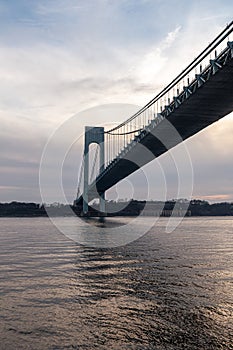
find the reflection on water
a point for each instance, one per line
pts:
(115, 232)
(163, 291)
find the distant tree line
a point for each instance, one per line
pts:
(120, 208)
(18, 209)
(203, 208)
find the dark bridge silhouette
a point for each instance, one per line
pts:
(199, 96)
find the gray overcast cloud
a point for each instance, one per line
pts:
(62, 57)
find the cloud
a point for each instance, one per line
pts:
(153, 62)
(61, 57)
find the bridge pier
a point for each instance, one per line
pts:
(102, 202)
(93, 135)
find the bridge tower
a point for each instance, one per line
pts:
(93, 135)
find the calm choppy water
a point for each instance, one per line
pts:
(163, 291)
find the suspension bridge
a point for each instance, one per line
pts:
(199, 96)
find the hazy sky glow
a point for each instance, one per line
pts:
(64, 56)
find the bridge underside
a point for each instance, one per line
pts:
(210, 102)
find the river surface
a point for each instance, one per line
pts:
(162, 291)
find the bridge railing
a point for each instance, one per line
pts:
(119, 137)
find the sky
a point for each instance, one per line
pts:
(99, 61)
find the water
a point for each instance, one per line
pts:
(163, 291)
